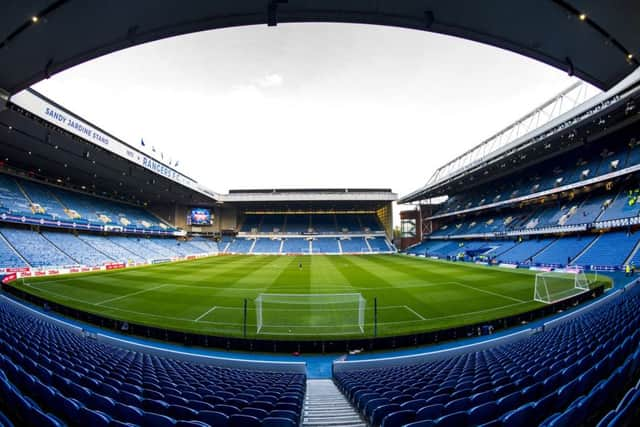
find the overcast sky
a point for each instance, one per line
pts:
(307, 105)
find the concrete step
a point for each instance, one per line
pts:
(325, 405)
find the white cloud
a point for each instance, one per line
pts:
(270, 80)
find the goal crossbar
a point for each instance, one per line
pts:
(551, 287)
(343, 310)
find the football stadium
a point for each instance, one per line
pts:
(133, 294)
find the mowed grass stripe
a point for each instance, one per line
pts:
(402, 285)
(464, 275)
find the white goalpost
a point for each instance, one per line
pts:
(554, 286)
(310, 314)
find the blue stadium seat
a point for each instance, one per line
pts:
(278, 422)
(241, 420)
(398, 418)
(214, 418)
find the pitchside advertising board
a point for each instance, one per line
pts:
(30, 101)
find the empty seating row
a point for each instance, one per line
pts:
(32, 199)
(310, 223)
(317, 245)
(561, 376)
(25, 248)
(50, 375)
(571, 168)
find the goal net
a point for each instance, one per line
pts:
(310, 314)
(554, 286)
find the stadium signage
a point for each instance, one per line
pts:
(37, 105)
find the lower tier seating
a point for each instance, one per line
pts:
(565, 375)
(51, 376)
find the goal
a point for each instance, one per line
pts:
(554, 286)
(310, 314)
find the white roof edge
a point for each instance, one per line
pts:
(627, 82)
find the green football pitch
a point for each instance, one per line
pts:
(299, 298)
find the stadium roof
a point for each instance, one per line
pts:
(43, 140)
(347, 195)
(595, 40)
(581, 125)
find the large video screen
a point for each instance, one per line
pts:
(200, 216)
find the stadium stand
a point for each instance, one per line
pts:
(297, 223)
(205, 245)
(77, 249)
(524, 251)
(324, 223)
(354, 245)
(239, 245)
(326, 245)
(379, 244)
(61, 248)
(553, 173)
(9, 257)
(54, 376)
(111, 249)
(272, 223)
(36, 249)
(36, 200)
(569, 374)
(609, 249)
(562, 251)
(295, 246)
(267, 246)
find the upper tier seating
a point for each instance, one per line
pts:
(51, 375)
(297, 223)
(625, 205)
(324, 223)
(37, 200)
(348, 223)
(272, 223)
(12, 200)
(251, 223)
(43, 199)
(570, 168)
(568, 373)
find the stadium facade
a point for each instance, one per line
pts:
(561, 195)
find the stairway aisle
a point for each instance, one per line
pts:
(325, 405)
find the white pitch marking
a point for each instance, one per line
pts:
(488, 292)
(205, 313)
(131, 294)
(415, 312)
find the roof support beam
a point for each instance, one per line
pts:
(4, 99)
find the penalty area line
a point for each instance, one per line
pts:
(205, 313)
(131, 294)
(415, 312)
